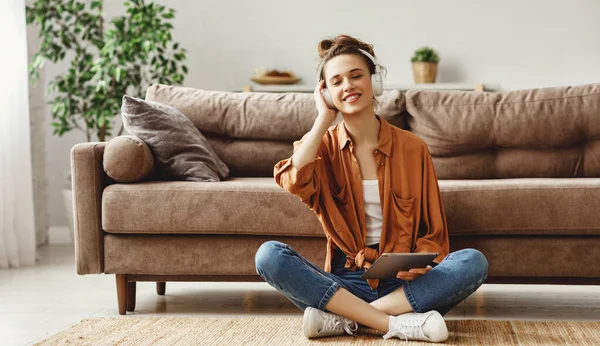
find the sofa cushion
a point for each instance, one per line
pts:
(522, 206)
(235, 206)
(127, 159)
(250, 157)
(546, 132)
(180, 149)
(257, 115)
(257, 206)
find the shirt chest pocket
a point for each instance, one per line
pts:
(340, 197)
(402, 214)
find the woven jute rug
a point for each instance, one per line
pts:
(288, 331)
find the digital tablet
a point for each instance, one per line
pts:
(388, 265)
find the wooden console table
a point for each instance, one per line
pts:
(401, 87)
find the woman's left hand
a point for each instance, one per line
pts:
(413, 273)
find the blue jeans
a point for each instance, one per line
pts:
(447, 284)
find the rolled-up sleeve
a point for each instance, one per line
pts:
(433, 217)
(304, 182)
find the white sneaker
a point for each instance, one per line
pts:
(428, 326)
(319, 323)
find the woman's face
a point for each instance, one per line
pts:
(349, 82)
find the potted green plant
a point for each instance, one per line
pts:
(106, 61)
(424, 65)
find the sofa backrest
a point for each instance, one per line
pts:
(251, 132)
(546, 132)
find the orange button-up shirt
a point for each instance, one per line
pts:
(411, 203)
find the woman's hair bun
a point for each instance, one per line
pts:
(324, 47)
(343, 41)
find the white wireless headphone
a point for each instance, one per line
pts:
(376, 78)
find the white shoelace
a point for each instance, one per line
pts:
(337, 323)
(408, 329)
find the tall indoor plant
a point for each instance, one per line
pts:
(126, 56)
(105, 61)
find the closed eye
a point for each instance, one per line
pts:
(354, 77)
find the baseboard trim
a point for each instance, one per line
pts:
(59, 235)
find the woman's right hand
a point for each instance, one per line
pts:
(325, 112)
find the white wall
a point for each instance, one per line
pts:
(517, 44)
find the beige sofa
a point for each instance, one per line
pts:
(518, 171)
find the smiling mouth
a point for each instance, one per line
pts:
(352, 98)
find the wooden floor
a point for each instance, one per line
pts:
(39, 301)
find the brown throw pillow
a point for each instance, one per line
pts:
(127, 159)
(178, 146)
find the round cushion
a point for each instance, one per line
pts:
(127, 159)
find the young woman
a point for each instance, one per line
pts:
(374, 189)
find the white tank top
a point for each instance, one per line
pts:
(373, 213)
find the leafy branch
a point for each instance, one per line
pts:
(134, 52)
(425, 54)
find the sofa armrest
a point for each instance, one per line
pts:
(88, 180)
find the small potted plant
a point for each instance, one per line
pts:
(424, 65)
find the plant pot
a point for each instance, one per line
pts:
(424, 72)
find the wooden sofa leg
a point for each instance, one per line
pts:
(160, 288)
(122, 292)
(131, 296)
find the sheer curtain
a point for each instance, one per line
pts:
(17, 231)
